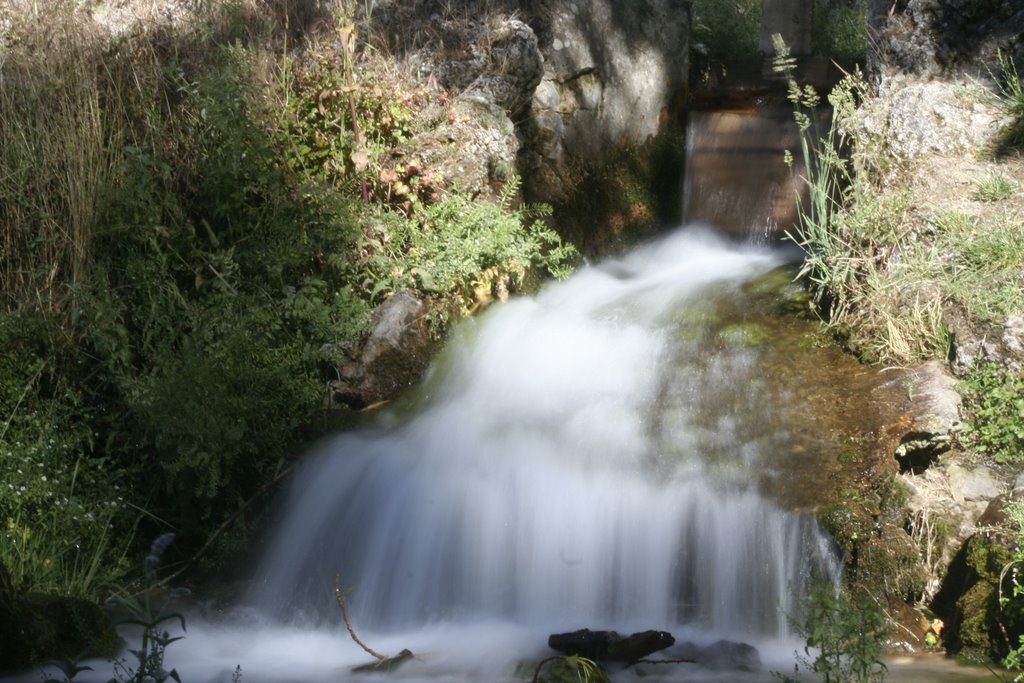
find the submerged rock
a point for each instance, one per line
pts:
(722, 654)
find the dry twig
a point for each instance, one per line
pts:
(348, 624)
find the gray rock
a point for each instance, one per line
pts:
(394, 356)
(1000, 344)
(612, 68)
(1013, 342)
(935, 413)
(935, 38)
(615, 71)
(973, 485)
(475, 150)
(513, 68)
(921, 118)
(722, 654)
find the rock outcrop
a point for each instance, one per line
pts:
(614, 83)
(395, 354)
(932, 38)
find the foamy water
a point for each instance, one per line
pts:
(536, 490)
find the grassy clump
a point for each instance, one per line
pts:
(1011, 99)
(994, 187)
(190, 215)
(886, 276)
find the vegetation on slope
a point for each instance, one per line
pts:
(191, 211)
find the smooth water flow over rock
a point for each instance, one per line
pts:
(735, 173)
(552, 477)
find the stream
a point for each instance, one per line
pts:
(638, 447)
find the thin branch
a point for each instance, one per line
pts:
(348, 624)
(227, 524)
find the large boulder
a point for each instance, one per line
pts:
(609, 645)
(917, 118)
(35, 627)
(493, 78)
(969, 601)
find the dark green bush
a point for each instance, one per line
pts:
(65, 523)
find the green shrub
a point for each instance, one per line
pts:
(728, 28)
(1011, 602)
(994, 407)
(63, 516)
(222, 404)
(840, 29)
(216, 209)
(844, 637)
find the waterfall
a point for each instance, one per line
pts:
(560, 472)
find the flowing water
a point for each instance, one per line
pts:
(634, 448)
(587, 457)
(736, 178)
(558, 475)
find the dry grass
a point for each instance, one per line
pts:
(78, 85)
(57, 155)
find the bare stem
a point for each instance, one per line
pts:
(348, 624)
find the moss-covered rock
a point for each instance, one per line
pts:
(36, 627)
(968, 601)
(629, 194)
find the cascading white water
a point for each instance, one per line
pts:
(556, 476)
(590, 457)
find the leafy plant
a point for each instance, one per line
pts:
(68, 668)
(1011, 602)
(994, 405)
(843, 637)
(570, 669)
(153, 642)
(728, 28)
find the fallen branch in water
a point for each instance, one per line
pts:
(348, 624)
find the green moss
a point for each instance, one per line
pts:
(846, 525)
(37, 627)
(630, 194)
(744, 334)
(890, 564)
(978, 629)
